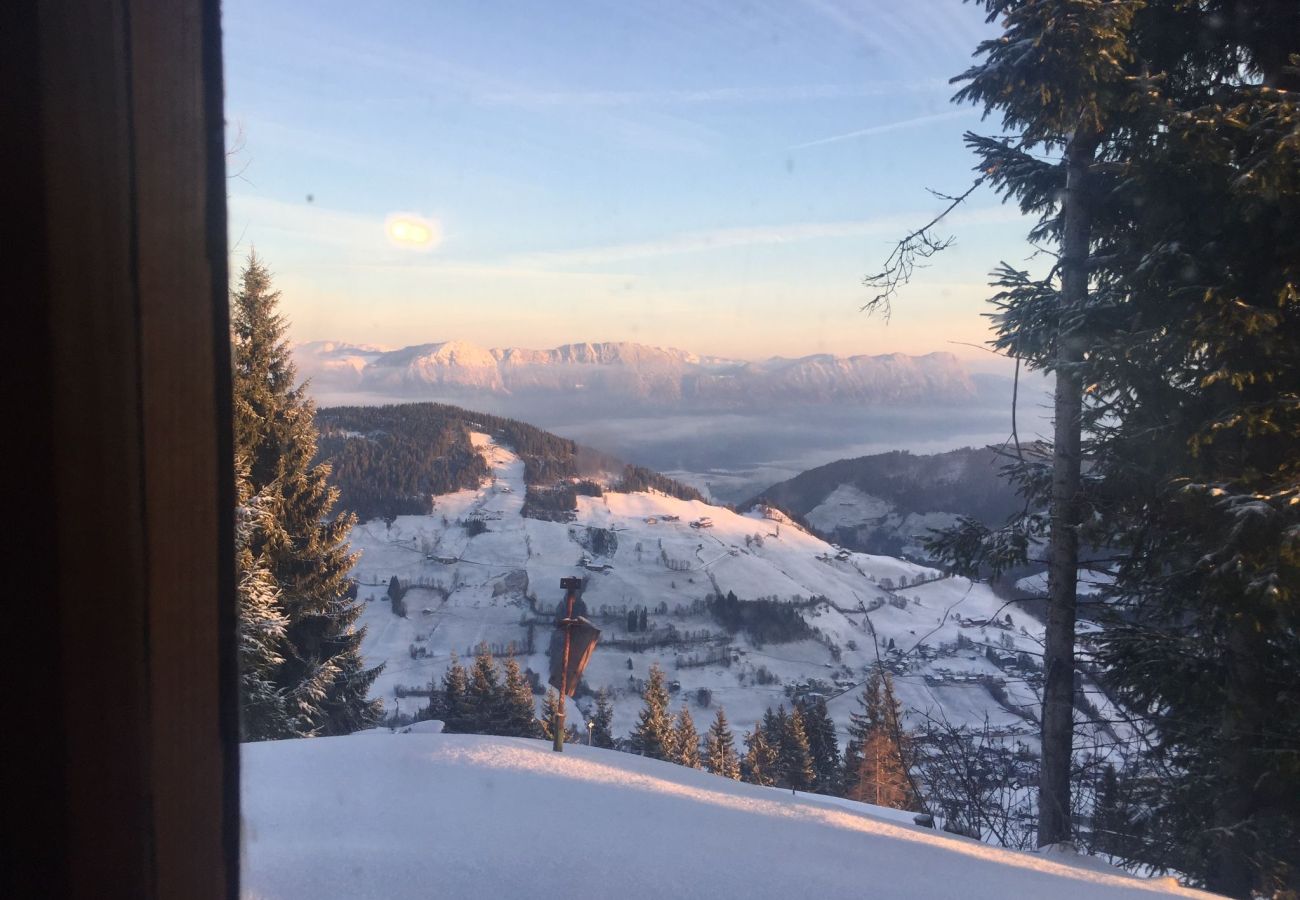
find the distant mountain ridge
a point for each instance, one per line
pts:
(883, 503)
(646, 376)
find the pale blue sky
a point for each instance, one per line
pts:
(716, 176)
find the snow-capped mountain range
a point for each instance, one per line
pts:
(637, 374)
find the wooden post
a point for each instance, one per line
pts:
(557, 726)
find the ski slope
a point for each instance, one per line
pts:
(422, 815)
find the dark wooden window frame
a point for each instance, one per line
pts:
(121, 724)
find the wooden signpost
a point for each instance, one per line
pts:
(571, 647)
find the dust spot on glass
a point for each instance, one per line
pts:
(413, 232)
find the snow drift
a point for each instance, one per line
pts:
(429, 815)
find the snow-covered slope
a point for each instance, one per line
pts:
(620, 372)
(500, 585)
(424, 815)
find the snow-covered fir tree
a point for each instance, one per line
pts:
(485, 694)
(550, 707)
(264, 714)
(322, 678)
(653, 733)
(453, 706)
(759, 764)
(720, 756)
(518, 715)
(773, 725)
(686, 740)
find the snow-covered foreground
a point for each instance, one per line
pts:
(430, 815)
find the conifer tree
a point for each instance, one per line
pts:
(877, 767)
(396, 597)
(720, 756)
(518, 716)
(773, 725)
(485, 695)
(794, 758)
(322, 676)
(1061, 75)
(1194, 424)
(455, 709)
(1187, 339)
(263, 711)
(602, 721)
(760, 763)
(861, 723)
(550, 706)
(1171, 168)
(686, 740)
(824, 746)
(653, 734)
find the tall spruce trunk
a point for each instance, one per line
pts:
(1063, 555)
(1231, 870)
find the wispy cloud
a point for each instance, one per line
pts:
(706, 95)
(722, 238)
(902, 124)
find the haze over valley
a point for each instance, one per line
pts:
(730, 427)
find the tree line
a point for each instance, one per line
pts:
(393, 460)
(796, 748)
(489, 699)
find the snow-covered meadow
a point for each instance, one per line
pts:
(488, 586)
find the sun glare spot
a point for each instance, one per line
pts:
(413, 232)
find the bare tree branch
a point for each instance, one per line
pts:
(910, 251)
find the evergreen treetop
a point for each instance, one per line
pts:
(518, 716)
(720, 756)
(794, 758)
(760, 763)
(686, 740)
(602, 721)
(455, 709)
(653, 734)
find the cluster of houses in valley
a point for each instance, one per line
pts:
(837, 553)
(701, 522)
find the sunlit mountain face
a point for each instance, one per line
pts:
(652, 377)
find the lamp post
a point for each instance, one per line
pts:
(590, 725)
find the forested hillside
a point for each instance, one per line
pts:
(393, 460)
(870, 502)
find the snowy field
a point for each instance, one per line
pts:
(489, 586)
(423, 815)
